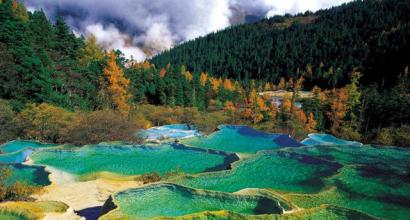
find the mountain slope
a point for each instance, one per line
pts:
(325, 46)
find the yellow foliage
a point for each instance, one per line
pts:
(187, 75)
(338, 106)
(203, 78)
(261, 104)
(273, 110)
(215, 84)
(267, 87)
(91, 52)
(311, 123)
(282, 83)
(117, 87)
(227, 84)
(45, 122)
(301, 116)
(286, 104)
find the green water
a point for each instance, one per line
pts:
(368, 179)
(128, 160)
(32, 175)
(18, 151)
(372, 180)
(232, 139)
(14, 146)
(173, 200)
(276, 170)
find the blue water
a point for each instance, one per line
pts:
(18, 151)
(241, 139)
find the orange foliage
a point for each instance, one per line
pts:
(187, 75)
(338, 108)
(117, 87)
(273, 110)
(282, 84)
(229, 106)
(203, 78)
(286, 104)
(301, 116)
(261, 105)
(247, 114)
(252, 97)
(146, 65)
(311, 123)
(215, 84)
(162, 72)
(227, 84)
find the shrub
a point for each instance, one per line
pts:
(20, 191)
(44, 122)
(102, 126)
(385, 137)
(402, 136)
(17, 191)
(149, 178)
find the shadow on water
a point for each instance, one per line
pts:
(90, 213)
(267, 206)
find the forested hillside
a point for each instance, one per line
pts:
(324, 47)
(57, 87)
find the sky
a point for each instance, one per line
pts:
(142, 28)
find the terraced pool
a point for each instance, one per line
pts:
(18, 151)
(368, 179)
(275, 169)
(170, 200)
(132, 160)
(241, 139)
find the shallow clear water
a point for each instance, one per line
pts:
(241, 139)
(372, 180)
(327, 139)
(368, 179)
(32, 175)
(129, 160)
(174, 200)
(174, 131)
(16, 157)
(14, 146)
(275, 170)
(18, 151)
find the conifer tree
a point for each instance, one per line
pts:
(114, 85)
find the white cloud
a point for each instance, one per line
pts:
(135, 25)
(111, 37)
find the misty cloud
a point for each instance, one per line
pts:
(141, 28)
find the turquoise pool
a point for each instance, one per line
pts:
(132, 160)
(170, 200)
(241, 139)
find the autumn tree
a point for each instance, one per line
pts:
(338, 109)
(114, 90)
(311, 123)
(282, 84)
(44, 122)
